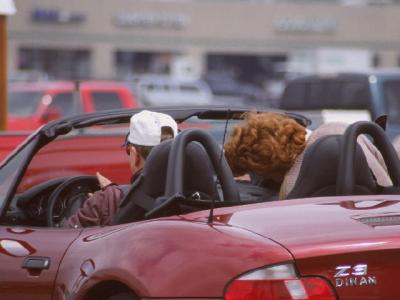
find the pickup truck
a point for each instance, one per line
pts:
(346, 97)
(33, 104)
(88, 144)
(84, 154)
(85, 151)
(9, 141)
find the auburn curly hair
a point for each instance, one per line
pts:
(266, 144)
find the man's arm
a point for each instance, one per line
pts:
(98, 210)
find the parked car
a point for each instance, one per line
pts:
(9, 140)
(160, 90)
(198, 238)
(32, 104)
(230, 91)
(346, 96)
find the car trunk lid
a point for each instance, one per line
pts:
(353, 242)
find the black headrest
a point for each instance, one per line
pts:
(199, 174)
(177, 165)
(149, 185)
(319, 170)
(199, 177)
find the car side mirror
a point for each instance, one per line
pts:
(51, 113)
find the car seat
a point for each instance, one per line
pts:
(318, 172)
(337, 165)
(185, 168)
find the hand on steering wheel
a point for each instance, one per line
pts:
(73, 192)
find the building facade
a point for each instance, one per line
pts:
(251, 40)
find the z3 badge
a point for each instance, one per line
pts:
(356, 275)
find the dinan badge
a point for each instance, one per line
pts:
(353, 275)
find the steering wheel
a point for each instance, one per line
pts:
(174, 190)
(68, 197)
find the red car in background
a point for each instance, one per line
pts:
(198, 238)
(9, 141)
(30, 105)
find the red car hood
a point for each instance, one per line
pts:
(323, 225)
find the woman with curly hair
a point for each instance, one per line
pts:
(265, 146)
(270, 148)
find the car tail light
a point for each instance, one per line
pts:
(278, 282)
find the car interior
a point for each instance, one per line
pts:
(321, 181)
(188, 170)
(342, 165)
(191, 174)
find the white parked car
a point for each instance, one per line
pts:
(158, 90)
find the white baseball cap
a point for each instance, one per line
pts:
(145, 127)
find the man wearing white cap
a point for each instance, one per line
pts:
(147, 129)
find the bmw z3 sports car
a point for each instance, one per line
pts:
(337, 237)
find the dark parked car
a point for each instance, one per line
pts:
(230, 91)
(336, 238)
(355, 95)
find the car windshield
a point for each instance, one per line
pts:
(78, 152)
(391, 92)
(23, 104)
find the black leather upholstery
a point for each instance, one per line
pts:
(347, 163)
(148, 190)
(147, 187)
(319, 170)
(177, 164)
(336, 165)
(199, 175)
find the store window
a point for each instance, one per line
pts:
(130, 63)
(55, 63)
(376, 60)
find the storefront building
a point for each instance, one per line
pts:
(251, 40)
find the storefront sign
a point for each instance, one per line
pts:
(7, 7)
(151, 20)
(305, 25)
(40, 15)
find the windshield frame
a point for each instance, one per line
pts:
(52, 130)
(24, 154)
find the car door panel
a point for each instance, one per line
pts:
(29, 259)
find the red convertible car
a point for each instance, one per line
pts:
(337, 236)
